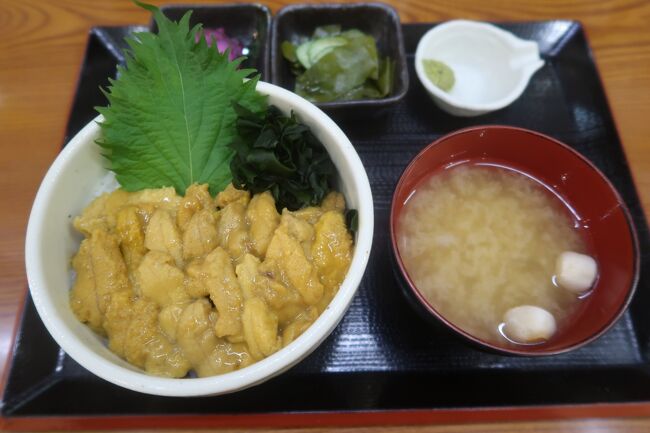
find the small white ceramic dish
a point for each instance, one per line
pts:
(78, 175)
(492, 66)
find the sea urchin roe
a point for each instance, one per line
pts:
(479, 241)
(203, 284)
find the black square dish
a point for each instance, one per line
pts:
(249, 23)
(297, 22)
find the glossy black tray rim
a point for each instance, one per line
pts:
(382, 358)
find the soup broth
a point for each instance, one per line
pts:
(477, 241)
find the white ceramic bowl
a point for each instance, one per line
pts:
(492, 67)
(75, 178)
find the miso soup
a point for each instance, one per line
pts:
(480, 240)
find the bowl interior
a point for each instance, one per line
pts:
(78, 175)
(480, 63)
(588, 195)
(296, 23)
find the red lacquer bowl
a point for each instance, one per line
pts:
(573, 179)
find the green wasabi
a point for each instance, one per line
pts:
(439, 74)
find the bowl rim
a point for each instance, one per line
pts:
(476, 27)
(238, 379)
(412, 288)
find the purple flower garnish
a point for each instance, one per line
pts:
(223, 41)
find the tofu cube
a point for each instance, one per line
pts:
(575, 272)
(528, 324)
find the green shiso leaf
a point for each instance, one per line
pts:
(277, 153)
(170, 117)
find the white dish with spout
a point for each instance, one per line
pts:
(492, 67)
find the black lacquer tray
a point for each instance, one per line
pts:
(383, 358)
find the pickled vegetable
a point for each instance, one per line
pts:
(336, 65)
